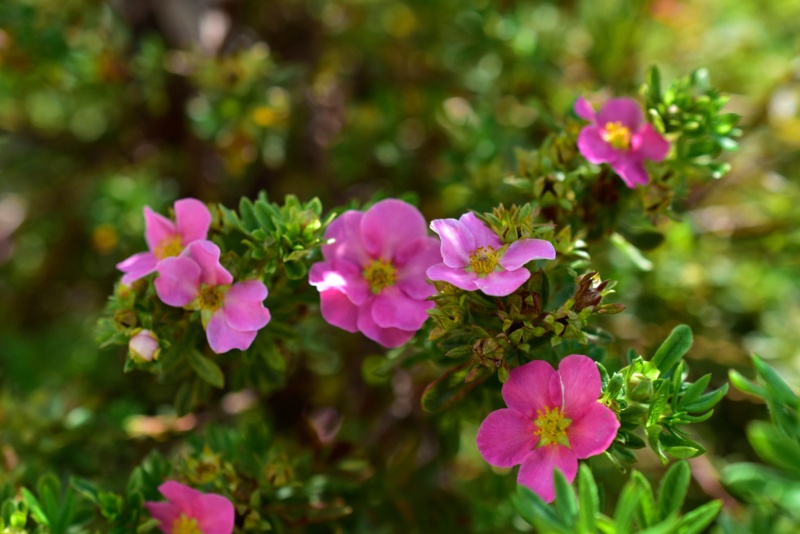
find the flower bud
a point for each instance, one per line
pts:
(143, 347)
(641, 388)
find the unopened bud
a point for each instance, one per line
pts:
(143, 347)
(640, 388)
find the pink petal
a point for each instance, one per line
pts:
(626, 111)
(649, 144)
(393, 309)
(484, 237)
(222, 337)
(244, 306)
(340, 274)
(457, 242)
(192, 219)
(388, 337)
(412, 261)
(181, 495)
(631, 170)
(456, 276)
(593, 432)
(178, 281)
(506, 437)
(592, 146)
(157, 228)
(584, 110)
(521, 252)
(580, 384)
(165, 512)
(345, 230)
(338, 310)
(388, 225)
(527, 389)
(500, 284)
(536, 472)
(137, 266)
(206, 254)
(218, 514)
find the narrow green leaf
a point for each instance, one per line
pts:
(698, 519)
(626, 506)
(589, 501)
(206, 369)
(775, 383)
(773, 447)
(565, 498)
(248, 215)
(448, 389)
(35, 508)
(674, 347)
(537, 513)
(707, 401)
(672, 490)
(648, 513)
(743, 384)
(694, 390)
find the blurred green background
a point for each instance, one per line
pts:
(108, 106)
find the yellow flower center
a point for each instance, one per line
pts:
(379, 274)
(185, 525)
(617, 135)
(169, 246)
(483, 260)
(552, 427)
(211, 298)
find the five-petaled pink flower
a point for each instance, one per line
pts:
(165, 238)
(373, 276)
(553, 419)
(231, 314)
(619, 136)
(188, 511)
(476, 258)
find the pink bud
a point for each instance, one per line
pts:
(143, 347)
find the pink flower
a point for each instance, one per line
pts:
(232, 314)
(476, 258)
(188, 511)
(165, 238)
(619, 136)
(373, 276)
(143, 346)
(553, 419)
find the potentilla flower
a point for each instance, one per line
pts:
(619, 136)
(166, 238)
(232, 314)
(476, 258)
(373, 277)
(188, 511)
(143, 346)
(553, 419)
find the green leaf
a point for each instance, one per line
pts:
(537, 513)
(295, 270)
(674, 347)
(694, 390)
(707, 401)
(448, 389)
(85, 488)
(672, 490)
(698, 519)
(565, 498)
(35, 508)
(589, 500)
(206, 369)
(248, 215)
(774, 383)
(773, 447)
(653, 80)
(647, 513)
(743, 384)
(626, 506)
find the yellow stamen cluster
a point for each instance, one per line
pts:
(617, 135)
(169, 246)
(211, 298)
(552, 427)
(483, 260)
(185, 525)
(380, 274)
